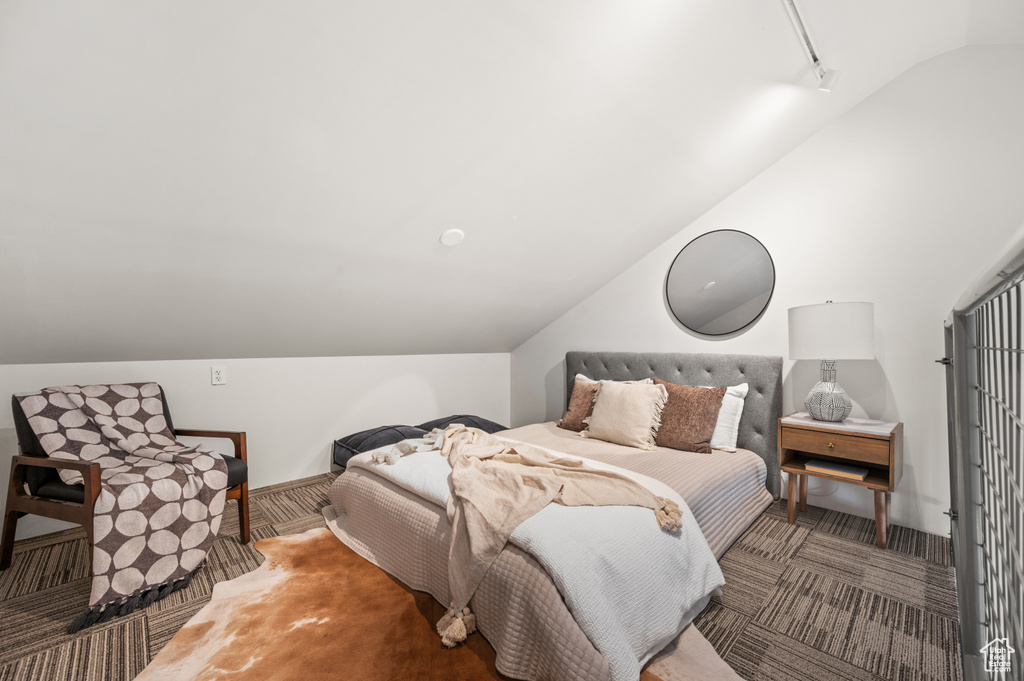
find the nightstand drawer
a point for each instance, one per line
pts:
(868, 450)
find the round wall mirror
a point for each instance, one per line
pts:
(720, 282)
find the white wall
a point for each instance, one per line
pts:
(291, 409)
(902, 202)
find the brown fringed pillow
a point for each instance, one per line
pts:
(689, 418)
(581, 402)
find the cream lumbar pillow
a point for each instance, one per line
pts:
(627, 414)
(581, 402)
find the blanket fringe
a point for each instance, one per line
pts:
(455, 627)
(125, 606)
(669, 516)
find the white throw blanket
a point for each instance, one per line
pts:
(630, 586)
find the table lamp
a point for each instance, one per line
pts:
(831, 331)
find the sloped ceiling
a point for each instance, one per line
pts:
(258, 179)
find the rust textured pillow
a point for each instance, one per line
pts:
(689, 418)
(581, 402)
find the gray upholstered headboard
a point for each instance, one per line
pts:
(761, 410)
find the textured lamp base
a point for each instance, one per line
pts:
(827, 400)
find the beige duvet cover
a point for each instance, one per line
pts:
(518, 608)
(724, 490)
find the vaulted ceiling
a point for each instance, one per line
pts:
(257, 179)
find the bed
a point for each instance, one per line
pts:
(517, 606)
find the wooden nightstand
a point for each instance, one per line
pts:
(875, 445)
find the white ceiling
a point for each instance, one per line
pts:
(257, 179)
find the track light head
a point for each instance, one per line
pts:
(828, 80)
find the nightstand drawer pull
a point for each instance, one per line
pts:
(830, 445)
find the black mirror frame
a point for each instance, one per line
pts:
(740, 329)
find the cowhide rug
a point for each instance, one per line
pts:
(316, 610)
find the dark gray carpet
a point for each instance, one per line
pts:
(812, 601)
(818, 600)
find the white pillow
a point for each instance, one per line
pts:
(727, 428)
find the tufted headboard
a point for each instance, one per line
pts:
(761, 410)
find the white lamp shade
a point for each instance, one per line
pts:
(832, 331)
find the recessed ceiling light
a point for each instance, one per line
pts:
(453, 237)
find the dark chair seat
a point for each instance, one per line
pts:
(61, 491)
(238, 472)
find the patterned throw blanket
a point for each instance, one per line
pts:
(161, 501)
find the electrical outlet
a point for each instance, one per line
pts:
(218, 376)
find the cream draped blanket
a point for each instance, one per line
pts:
(496, 485)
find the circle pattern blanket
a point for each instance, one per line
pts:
(160, 502)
